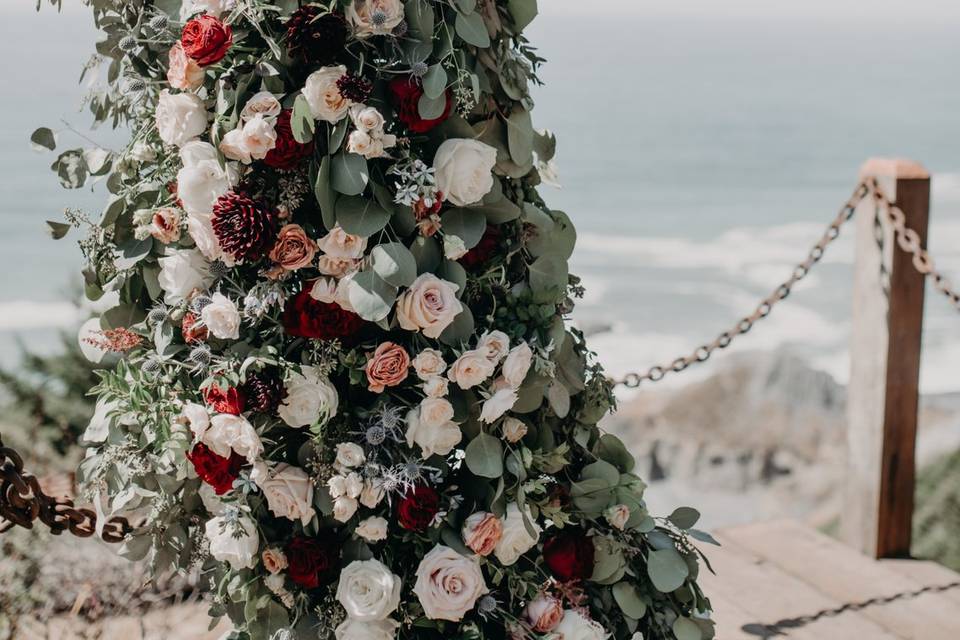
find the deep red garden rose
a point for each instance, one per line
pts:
(405, 94)
(311, 560)
(215, 470)
(481, 254)
(308, 318)
(230, 400)
(287, 153)
(416, 510)
(569, 556)
(206, 39)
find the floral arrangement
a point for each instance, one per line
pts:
(338, 378)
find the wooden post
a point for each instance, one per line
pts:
(885, 367)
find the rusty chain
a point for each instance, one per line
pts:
(907, 239)
(22, 502)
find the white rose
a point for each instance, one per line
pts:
(310, 397)
(221, 317)
(464, 170)
(357, 630)
(337, 486)
(368, 590)
(202, 180)
(200, 228)
(179, 117)
(448, 584)
(228, 433)
(340, 244)
(436, 387)
(497, 405)
(453, 247)
(263, 104)
(517, 364)
(366, 119)
(344, 507)
(496, 344)
(324, 290)
(233, 147)
(575, 626)
(435, 412)
(429, 363)
(198, 419)
(513, 429)
(259, 136)
(181, 272)
(360, 14)
(353, 485)
(429, 305)
(617, 515)
(364, 145)
(373, 493)
(439, 440)
(239, 551)
(215, 8)
(372, 529)
(471, 369)
(288, 490)
(349, 455)
(323, 96)
(516, 540)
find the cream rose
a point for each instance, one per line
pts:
(263, 104)
(183, 72)
(221, 317)
(202, 180)
(232, 146)
(438, 439)
(495, 344)
(428, 305)
(258, 137)
(471, 369)
(516, 540)
(323, 96)
(575, 626)
(482, 532)
(366, 118)
(617, 516)
(340, 244)
(344, 507)
(228, 433)
(197, 418)
(349, 455)
(544, 613)
(373, 493)
(435, 412)
(372, 529)
(497, 405)
(464, 170)
(274, 560)
(448, 584)
(180, 117)
(374, 17)
(436, 387)
(428, 364)
(288, 490)
(357, 630)
(368, 590)
(517, 364)
(513, 429)
(310, 398)
(234, 542)
(181, 272)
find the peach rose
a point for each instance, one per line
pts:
(183, 72)
(544, 613)
(165, 225)
(429, 363)
(471, 369)
(481, 532)
(387, 367)
(340, 244)
(336, 267)
(274, 560)
(429, 305)
(293, 249)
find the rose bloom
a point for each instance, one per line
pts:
(183, 72)
(372, 529)
(417, 508)
(340, 244)
(497, 405)
(496, 344)
(197, 419)
(179, 117)
(263, 103)
(544, 613)
(481, 532)
(323, 95)
(576, 626)
(221, 317)
(310, 398)
(366, 119)
(516, 540)
(433, 438)
(231, 400)
(293, 249)
(202, 180)
(436, 387)
(405, 95)
(373, 493)
(428, 305)
(344, 508)
(569, 555)
(429, 363)
(323, 289)
(363, 144)
(448, 584)
(217, 471)
(517, 364)
(471, 369)
(360, 15)
(307, 318)
(357, 630)
(464, 170)
(311, 560)
(274, 560)
(513, 430)
(206, 39)
(617, 516)
(368, 590)
(165, 225)
(336, 267)
(349, 455)
(387, 367)
(233, 433)
(288, 490)
(225, 546)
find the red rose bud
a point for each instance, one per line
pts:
(305, 317)
(569, 556)
(311, 560)
(417, 509)
(206, 39)
(230, 401)
(405, 94)
(217, 471)
(287, 153)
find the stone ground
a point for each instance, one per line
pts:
(178, 622)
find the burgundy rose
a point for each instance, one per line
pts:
(206, 39)
(215, 470)
(484, 250)
(417, 509)
(308, 318)
(569, 556)
(405, 94)
(231, 400)
(311, 560)
(287, 153)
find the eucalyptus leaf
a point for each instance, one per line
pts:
(684, 517)
(43, 138)
(548, 273)
(460, 330)
(484, 456)
(349, 174)
(667, 569)
(432, 108)
(466, 224)
(371, 296)
(472, 29)
(520, 136)
(523, 12)
(686, 629)
(394, 263)
(628, 599)
(326, 198)
(302, 123)
(435, 82)
(361, 216)
(57, 230)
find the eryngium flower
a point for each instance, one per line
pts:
(245, 228)
(315, 37)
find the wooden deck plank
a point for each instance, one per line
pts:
(729, 617)
(773, 603)
(885, 596)
(929, 574)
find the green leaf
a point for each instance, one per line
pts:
(703, 536)
(361, 216)
(435, 82)
(302, 123)
(337, 134)
(471, 28)
(394, 263)
(326, 198)
(349, 174)
(603, 471)
(56, 229)
(133, 251)
(371, 296)
(484, 456)
(431, 108)
(467, 6)
(684, 517)
(545, 144)
(548, 273)
(523, 12)
(609, 562)
(591, 496)
(71, 168)
(460, 330)
(466, 224)
(520, 136)
(629, 601)
(426, 251)
(610, 448)
(123, 315)
(667, 569)
(453, 271)
(420, 18)
(686, 629)
(43, 138)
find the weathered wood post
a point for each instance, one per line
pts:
(885, 367)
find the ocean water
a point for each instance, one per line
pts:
(700, 157)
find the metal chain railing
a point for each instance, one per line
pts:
(22, 502)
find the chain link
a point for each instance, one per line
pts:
(22, 501)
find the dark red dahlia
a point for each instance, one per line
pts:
(231, 400)
(264, 391)
(569, 555)
(314, 36)
(206, 39)
(417, 509)
(405, 94)
(481, 254)
(308, 318)
(311, 560)
(287, 153)
(356, 88)
(245, 228)
(217, 471)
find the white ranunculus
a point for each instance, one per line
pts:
(368, 590)
(517, 364)
(439, 440)
(464, 170)
(180, 117)
(516, 540)
(496, 344)
(228, 433)
(240, 551)
(221, 317)
(428, 305)
(323, 95)
(436, 387)
(448, 584)
(181, 272)
(357, 630)
(288, 490)
(471, 368)
(428, 364)
(344, 507)
(263, 104)
(372, 529)
(198, 419)
(349, 455)
(575, 626)
(497, 405)
(340, 244)
(202, 180)
(374, 17)
(310, 398)
(513, 429)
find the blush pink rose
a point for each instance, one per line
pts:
(293, 249)
(481, 532)
(183, 72)
(387, 367)
(165, 225)
(544, 613)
